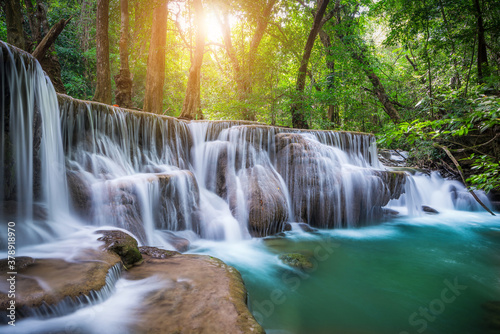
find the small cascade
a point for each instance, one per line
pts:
(433, 191)
(69, 305)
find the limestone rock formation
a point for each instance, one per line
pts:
(41, 284)
(267, 204)
(201, 295)
(122, 245)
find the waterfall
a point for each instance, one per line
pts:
(32, 176)
(69, 163)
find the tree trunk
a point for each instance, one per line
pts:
(191, 109)
(382, 96)
(243, 74)
(231, 53)
(103, 75)
(262, 23)
(49, 39)
(14, 20)
(39, 26)
(333, 110)
(482, 56)
(298, 117)
(358, 52)
(155, 77)
(123, 79)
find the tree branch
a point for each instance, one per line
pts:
(49, 39)
(459, 168)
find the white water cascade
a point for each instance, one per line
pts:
(79, 163)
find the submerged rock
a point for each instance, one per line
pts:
(201, 294)
(296, 260)
(302, 226)
(429, 210)
(181, 244)
(121, 244)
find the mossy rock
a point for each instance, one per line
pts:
(123, 245)
(296, 260)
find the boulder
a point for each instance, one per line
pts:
(179, 243)
(80, 193)
(121, 244)
(266, 202)
(429, 210)
(201, 295)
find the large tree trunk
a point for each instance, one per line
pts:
(191, 109)
(14, 20)
(123, 79)
(482, 56)
(155, 77)
(103, 75)
(298, 117)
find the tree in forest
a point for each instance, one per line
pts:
(42, 35)
(103, 75)
(155, 77)
(333, 110)
(14, 20)
(123, 78)
(244, 68)
(191, 109)
(297, 109)
(482, 55)
(359, 52)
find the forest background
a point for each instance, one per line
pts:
(421, 75)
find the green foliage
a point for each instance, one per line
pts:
(419, 136)
(487, 173)
(423, 52)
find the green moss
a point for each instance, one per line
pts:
(123, 245)
(296, 260)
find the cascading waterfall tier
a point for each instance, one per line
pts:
(32, 165)
(152, 174)
(223, 180)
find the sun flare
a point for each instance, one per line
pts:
(213, 28)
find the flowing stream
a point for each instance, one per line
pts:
(379, 264)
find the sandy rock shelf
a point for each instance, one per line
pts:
(201, 294)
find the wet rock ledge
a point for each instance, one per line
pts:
(202, 295)
(199, 293)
